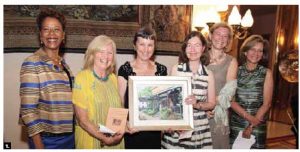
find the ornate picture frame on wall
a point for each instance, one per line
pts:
(84, 22)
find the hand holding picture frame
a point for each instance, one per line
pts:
(157, 103)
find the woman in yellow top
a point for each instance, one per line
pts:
(95, 91)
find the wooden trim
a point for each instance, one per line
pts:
(81, 51)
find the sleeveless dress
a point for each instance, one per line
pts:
(201, 136)
(142, 139)
(249, 96)
(96, 97)
(220, 133)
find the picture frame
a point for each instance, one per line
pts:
(84, 22)
(157, 103)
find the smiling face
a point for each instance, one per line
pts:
(51, 33)
(194, 49)
(255, 53)
(144, 48)
(104, 58)
(220, 38)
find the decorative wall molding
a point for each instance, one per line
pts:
(82, 51)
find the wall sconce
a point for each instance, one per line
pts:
(240, 26)
(204, 16)
(209, 15)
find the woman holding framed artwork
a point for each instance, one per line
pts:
(144, 45)
(192, 63)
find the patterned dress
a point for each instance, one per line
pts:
(96, 97)
(142, 139)
(249, 96)
(201, 136)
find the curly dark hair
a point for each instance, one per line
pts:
(182, 54)
(50, 13)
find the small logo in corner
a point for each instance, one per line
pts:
(7, 145)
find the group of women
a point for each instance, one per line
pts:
(62, 113)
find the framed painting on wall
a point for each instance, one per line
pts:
(157, 103)
(84, 22)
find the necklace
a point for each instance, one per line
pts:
(100, 78)
(56, 60)
(216, 59)
(250, 69)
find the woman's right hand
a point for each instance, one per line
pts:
(112, 140)
(210, 114)
(37, 140)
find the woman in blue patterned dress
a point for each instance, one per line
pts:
(254, 92)
(191, 63)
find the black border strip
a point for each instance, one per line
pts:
(81, 51)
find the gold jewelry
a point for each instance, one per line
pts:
(56, 60)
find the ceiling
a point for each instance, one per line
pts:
(258, 10)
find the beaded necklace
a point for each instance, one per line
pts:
(100, 78)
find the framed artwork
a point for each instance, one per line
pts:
(84, 22)
(157, 103)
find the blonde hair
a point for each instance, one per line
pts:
(96, 45)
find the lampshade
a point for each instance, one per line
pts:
(212, 16)
(247, 20)
(234, 17)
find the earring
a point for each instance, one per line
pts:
(42, 42)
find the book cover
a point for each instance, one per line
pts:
(117, 119)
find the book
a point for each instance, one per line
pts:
(116, 119)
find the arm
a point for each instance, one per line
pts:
(232, 70)
(122, 85)
(92, 129)
(242, 112)
(29, 94)
(211, 96)
(267, 96)
(174, 70)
